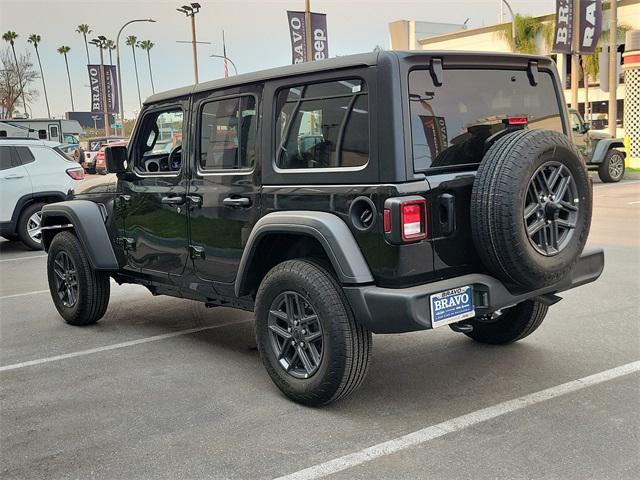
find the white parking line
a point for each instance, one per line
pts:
(21, 258)
(115, 346)
(35, 292)
(456, 424)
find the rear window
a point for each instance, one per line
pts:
(450, 123)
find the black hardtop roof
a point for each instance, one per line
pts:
(337, 63)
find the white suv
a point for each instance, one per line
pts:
(32, 173)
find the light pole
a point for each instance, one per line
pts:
(190, 11)
(513, 24)
(118, 67)
(224, 57)
(101, 43)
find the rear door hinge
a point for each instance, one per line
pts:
(532, 72)
(196, 251)
(435, 68)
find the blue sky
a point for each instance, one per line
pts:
(256, 35)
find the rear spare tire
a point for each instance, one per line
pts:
(531, 208)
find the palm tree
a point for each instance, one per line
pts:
(111, 46)
(591, 63)
(84, 29)
(526, 35)
(63, 51)
(11, 37)
(132, 41)
(34, 38)
(147, 45)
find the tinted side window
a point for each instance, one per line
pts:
(324, 125)
(24, 155)
(228, 134)
(5, 158)
(450, 123)
(42, 134)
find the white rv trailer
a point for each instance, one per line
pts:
(53, 130)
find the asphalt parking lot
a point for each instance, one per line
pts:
(165, 388)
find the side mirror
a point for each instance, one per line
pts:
(116, 158)
(585, 127)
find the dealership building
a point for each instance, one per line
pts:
(414, 35)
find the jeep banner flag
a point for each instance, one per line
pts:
(95, 82)
(590, 25)
(298, 33)
(564, 26)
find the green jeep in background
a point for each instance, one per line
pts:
(601, 152)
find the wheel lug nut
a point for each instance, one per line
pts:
(304, 332)
(289, 329)
(302, 344)
(293, 343)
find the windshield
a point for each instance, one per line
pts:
(450, 123)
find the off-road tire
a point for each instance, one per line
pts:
(606, 172)
(23, 233)
(93, 285)
(498, 202)
(511, 325)
(346, 344)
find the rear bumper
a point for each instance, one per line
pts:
(388, 310)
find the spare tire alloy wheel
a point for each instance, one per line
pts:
(551, 208)
(296, 334)
(66, 279)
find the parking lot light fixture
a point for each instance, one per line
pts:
(190, 11)
(151, 20)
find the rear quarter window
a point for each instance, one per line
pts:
(450, 123)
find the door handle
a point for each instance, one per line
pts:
(13, 177)
(195, 200)
(236, 202)
(176, 200)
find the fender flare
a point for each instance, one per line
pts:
(332, 233)
(602, 147)
(88, 224)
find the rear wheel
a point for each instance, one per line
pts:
(310, 344)
(612, 168)
(510, 324)
(29, 226)
(79, 293)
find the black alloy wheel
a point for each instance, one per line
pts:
(551, 208)
(66, 279)
(296, 334)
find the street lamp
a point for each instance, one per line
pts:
(513, 24)
(224, 57)
(101, 43)
(190, 11)
(118, 66)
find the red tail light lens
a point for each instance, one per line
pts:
(517, 121)
(76, 173)
(413, 220)
(386, 220)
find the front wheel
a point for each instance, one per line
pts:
(308, 340)
(510, 324)
(79, 293)
(612, 168)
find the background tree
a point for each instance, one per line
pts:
(132, 41)
(13, 88)
(11, 37)
(34, 39)
(111, 46)
(84, 29)
(64, 50)
(147, 45)
(527, 31)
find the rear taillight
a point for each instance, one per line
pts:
(517, 121)
(413, 220)
(405, 219)
(76, 173)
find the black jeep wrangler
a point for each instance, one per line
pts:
(385, 192)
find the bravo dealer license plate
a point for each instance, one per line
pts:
(451, 306)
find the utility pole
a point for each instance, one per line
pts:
(308, 32)
(190, 11)
(613, 67)
(513, 24)
(101, 43)
(575, 67)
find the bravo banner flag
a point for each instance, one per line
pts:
(111, 82)
(590, 25)
(564, 26)
(297, 31)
